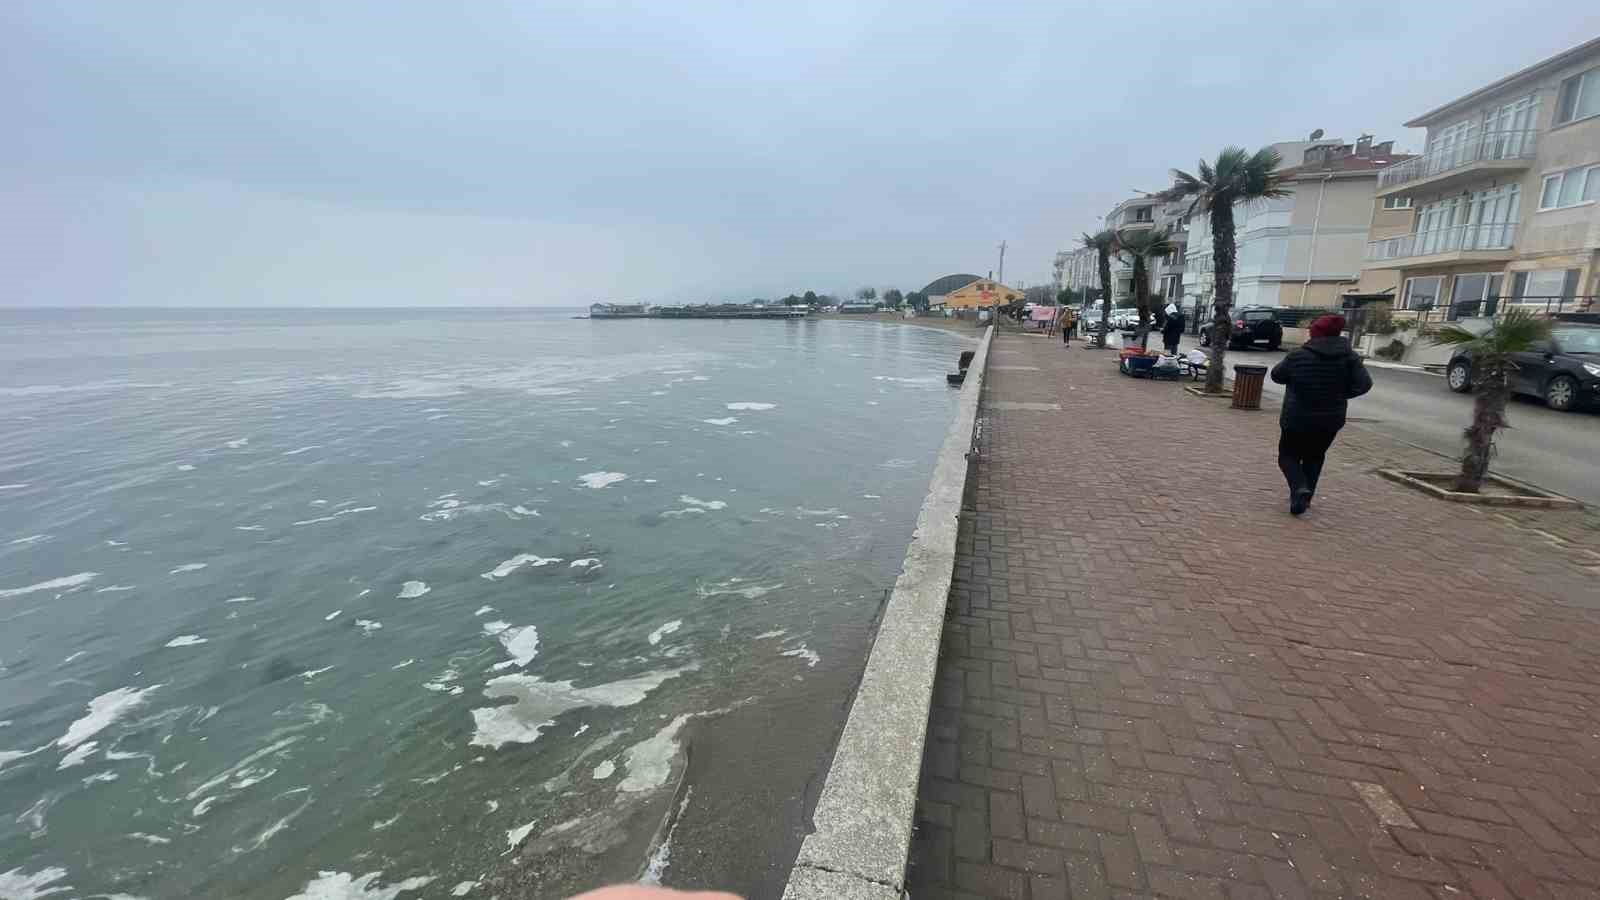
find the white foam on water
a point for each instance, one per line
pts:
(463, 888)
(103, 711)
(590, 564)
(597, 480)
(237, 443)
(540, 701)
(809, 656)
(186, 640)
(330, 518)
(521, 510)
(312, 673)
(78, 755)
(368, 626)
(753, 592)
(605, 770)
(204, 806)
(187, 567)
(765, 635)
(10, 756)
(703, 504)
(656, 868)
(752, 406)
(379, 826)
(413, 589)
(114, 589)
(830, 511)
(149, 838)
(484, 610)
(491, 482)
(30, 539)
(581, 729)
(364, 592)
(664, 630)
(99, 778)
(516, 562)
(678, 513)
(566, 443)
(404, 664)
(19, 885)
(725, 421)
(550, 392)
(66, 582)
(74, 656)
(521, 643)
(897, 463)
(185, 467)
(331, 616)
(493, 805)
(649, 762)
(701, 378)
(516, 836)
(300, 450)
(238, 600)
(342, 886)
(871, 496)
(249, 528)
(649, 481)
(13, 487)
(273, 830)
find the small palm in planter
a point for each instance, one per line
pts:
(1493, 356)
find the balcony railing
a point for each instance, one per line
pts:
(1483, 147)
(1496, 236)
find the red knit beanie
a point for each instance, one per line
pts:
(1327, 326)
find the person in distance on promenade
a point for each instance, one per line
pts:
(1320, 379)
(1172, 329)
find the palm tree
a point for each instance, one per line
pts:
(1104, 243)
(1492, 357)
(1237, 177)
(1140, 245)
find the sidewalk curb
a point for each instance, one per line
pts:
(862, 824)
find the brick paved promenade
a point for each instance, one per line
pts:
(1155, 682)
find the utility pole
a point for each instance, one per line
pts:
(1002, 278)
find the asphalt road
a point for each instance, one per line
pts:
(1556, 451)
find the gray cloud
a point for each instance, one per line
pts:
(407, 153)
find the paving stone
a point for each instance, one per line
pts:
(1155, 682)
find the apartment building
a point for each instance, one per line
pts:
(1501, 205)
(1306, 249)
(1166, 274)
(1077, 269)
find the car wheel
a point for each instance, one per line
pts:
(1459, 377)
(1274, 343)
(1561, 393)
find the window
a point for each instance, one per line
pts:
(1570, 188)
(1259, 315)
(1397, 203)
(1421, 293)
(1579, 97)
(1544, 285)
(1577, 340)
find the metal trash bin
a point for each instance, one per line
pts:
(1247, 382)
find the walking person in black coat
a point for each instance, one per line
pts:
(1321, 377)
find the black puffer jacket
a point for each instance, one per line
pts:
(1321, 377)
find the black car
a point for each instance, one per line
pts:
(1251, 325)
(1564, 371)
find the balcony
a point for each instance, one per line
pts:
(1445, 167)
(1459, 243)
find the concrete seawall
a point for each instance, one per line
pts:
(863, 817)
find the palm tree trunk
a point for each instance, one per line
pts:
(1105, 295)
(1488, 416)
(1223, 253)
(1141, 301)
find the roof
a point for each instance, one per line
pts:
(941, 286)
(1542, 67)
(1345, 165)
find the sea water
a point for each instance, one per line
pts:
(367, 604)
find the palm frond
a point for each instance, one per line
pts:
(1455, 335)
(1514, 332)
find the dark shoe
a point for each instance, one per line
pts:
(1299, 502)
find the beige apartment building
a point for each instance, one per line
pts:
(1501, 206)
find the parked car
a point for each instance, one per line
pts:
(1251, 325)
(1563, 371)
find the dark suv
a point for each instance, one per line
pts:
(1564, 371)
(1251, 325)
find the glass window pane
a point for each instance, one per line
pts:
(1571, 188)
(1552, 190)
(1567, 100)
(1591, 189)
(1589, 94)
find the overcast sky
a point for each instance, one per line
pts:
(411, 153)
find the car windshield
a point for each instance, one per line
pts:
(1260, 316)
(1577, 340)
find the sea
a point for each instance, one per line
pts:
(376, 604)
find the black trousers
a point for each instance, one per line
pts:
(1300, 456)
